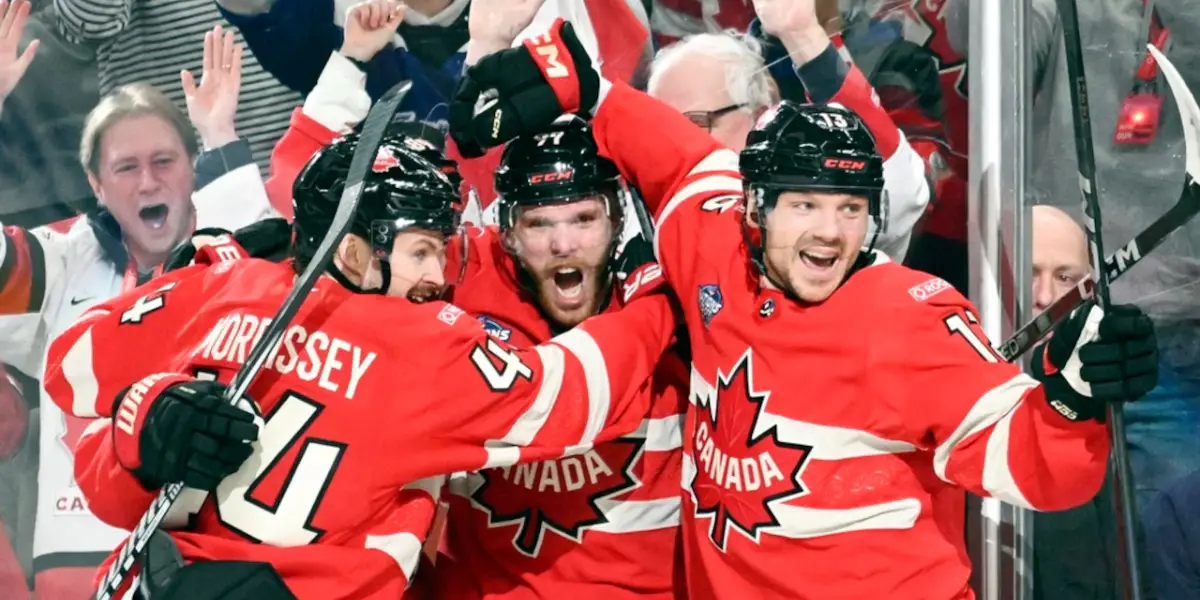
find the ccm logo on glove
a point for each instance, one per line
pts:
(547, 49)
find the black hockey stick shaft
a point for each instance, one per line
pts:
(379, 117)
(1085, 155)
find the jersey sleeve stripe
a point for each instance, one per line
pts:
(22, 273)
(998, 478)
(699, 189)
(990, 409)
(500, 454)
(78, 372)
(534, 418)
(595, 372)
(662, 434)
(403, 547)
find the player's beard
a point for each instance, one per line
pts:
(423, 292)
(567, 298)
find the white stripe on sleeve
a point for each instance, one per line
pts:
(595, 372)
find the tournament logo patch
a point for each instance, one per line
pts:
(495, 329)
(710, 302)
(743, 470)
(567, 495)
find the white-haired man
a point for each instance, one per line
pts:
(718, 80)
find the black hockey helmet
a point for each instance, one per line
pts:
(401, 191)
(811, 148)
(557, 166)
(429, 142)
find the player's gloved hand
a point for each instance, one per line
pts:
(1095, 358)
(638, 271)
(269, 239)
(522, 90)
(170, 427)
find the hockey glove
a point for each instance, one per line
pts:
(522, 90)
(638, 271)
(270, 239)
(170, 427)
(1095, 358)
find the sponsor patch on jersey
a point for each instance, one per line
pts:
(710, 302)
(450, 314)
(927, 290)
(495, 329)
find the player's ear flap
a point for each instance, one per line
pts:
(752, 216)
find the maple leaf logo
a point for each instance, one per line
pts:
(72, 430)
(384, 160)
(567, 495)
(740, 471)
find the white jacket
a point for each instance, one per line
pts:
(66, 274)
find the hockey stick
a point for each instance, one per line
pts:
(1086, 162)
(374, 127)
(1186, 208)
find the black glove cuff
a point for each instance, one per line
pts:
(589, 80)
(1065, 401)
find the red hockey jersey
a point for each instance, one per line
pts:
(600, 523)
(827, 447)
(363, 396)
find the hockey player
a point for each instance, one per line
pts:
(603, 521)
(841, 404)
(374, 386)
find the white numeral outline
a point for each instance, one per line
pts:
(287, 521)
(499, 378)
(956, 325)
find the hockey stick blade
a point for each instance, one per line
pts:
(377, 121)
(1119, 262)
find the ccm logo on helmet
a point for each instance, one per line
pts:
(845, 164)
(552, 176)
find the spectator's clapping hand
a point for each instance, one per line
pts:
(12, 65)
(369, 27)
(495, 24)
(212, 105)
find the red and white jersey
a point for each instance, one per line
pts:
(602, 521)
(827, 448)
(363, 396)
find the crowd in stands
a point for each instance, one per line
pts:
(126, 124)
